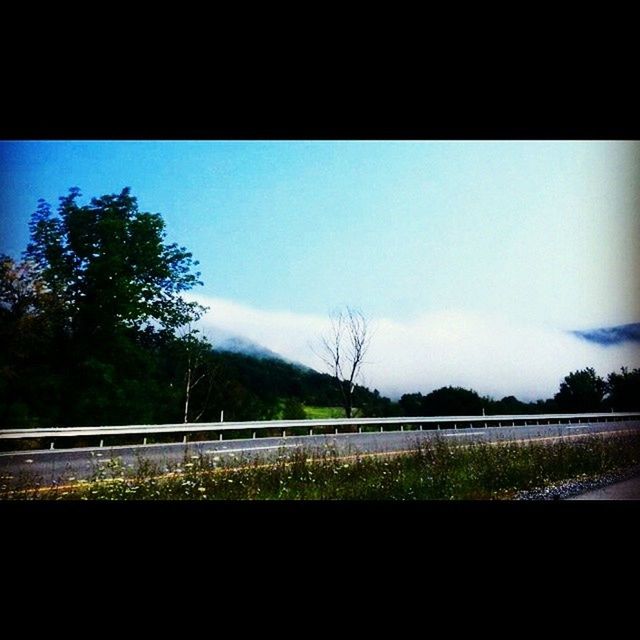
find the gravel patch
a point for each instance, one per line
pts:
(576, 486)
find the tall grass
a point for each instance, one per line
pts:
(437, 470)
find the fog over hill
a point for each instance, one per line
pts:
(227, 342)
(490, 353)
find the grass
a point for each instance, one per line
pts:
(326, 413)
(437, 470)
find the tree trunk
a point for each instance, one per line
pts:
(188, 392)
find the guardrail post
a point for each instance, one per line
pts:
(284, 433)
(184, 440)
(401, 427)
(311, 431)
(254, 435)
(220, 437)
(455, 425)
(336, 431)
(420, 427)
(144, 441)
(359, 429)
(381, 428)
(101, 443)
(51, 447)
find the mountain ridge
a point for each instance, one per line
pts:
(227, 342)
(608, 336)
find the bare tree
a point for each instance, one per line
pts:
(199, 368)
(343, 350)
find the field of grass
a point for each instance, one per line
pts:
(438, 470)
(326, 413)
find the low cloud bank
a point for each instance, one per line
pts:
(490, 354)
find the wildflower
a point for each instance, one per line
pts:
(201, 489)
(28, 461)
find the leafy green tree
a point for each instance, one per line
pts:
(411, 404)
(21, 292)
(373, 405)
(107, 288)
(509, 405)
(293, 410)
(29, 343)
(623, 390)
(581, 390)
(446, 401)
(109, 266)
(450, 401)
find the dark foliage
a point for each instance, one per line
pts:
(623, 390)
(581, 391)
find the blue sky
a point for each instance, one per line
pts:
(541, 233)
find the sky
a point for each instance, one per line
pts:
(473, 259)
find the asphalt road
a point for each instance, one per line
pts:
(51, 466)
(625, 490)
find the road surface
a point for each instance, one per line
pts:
(54, 466)
(625, 490)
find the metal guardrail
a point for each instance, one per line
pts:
(283, 425)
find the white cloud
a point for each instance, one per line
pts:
(491, 354)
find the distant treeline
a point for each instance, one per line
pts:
(580, 391)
